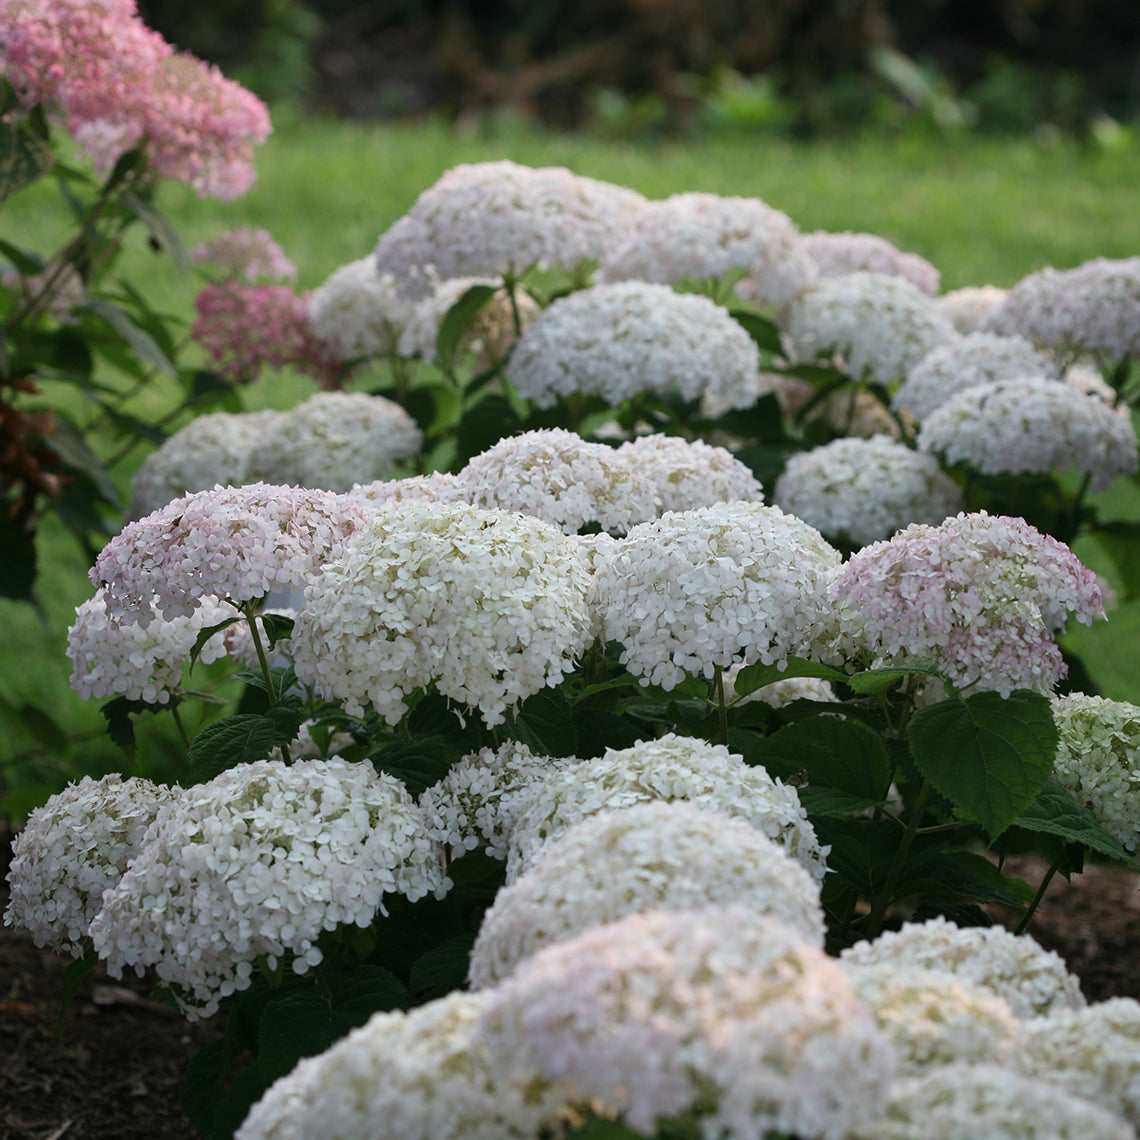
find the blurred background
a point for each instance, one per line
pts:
(637, 67)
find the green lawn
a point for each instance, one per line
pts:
(982, 210)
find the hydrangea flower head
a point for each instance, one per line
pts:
(720, 1012)
(980, 595)
(861, 490)
(358, 312)
(649, 856)
(211, 449)
(688, 474)
(836, 254)
(969, 306)
(555, 475)
(71, 850)
(412, 1076)
(248, 253)
(258, 862)
(617, 340)
(950, 1102)
(334, 440)
(964, 362)
(1034, 981)
(671, 768)
(498, 219)
(1098, 760)
(112, 658)
(1032, 425)
(880, 325)
(699, 590)
(434, 487)
(232, 542)
(701, 236)
(489, 607)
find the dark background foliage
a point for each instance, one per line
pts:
(827, 64)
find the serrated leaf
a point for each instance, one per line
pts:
(283, 676)
(369, 990)
(418, 762)
(277, 628)
(1056, 811)
(207, 632)
(458, 320)
(753, 677)
(845, 755)
(763, 331)
(73, 978)
(443, 968)
(820, 801)
(203, 1084)
(989, 756)
(142, 343)
(544, 723)
(292, 1027)
(483, 425)
(243, 739)
(120, 727)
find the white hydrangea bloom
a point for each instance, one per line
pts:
(671, 768)
(211, 449)
(649, 856)
(688, 474)
(620, 339)
(1034, 981)
(477, 803)
(1087, 379)
(880, 325)
(934, 1017)
(239, 643)
(258, 862)
(490, 335)
(980, 595)
(862, 490)
(1032, 425)
(1092, 1052)
(334, 440)
(358, 311)
(969, 307)
(496, 219)
(406, 1076)
(305, 747)
(434, 487)
(555, 475)
(702, 236)
(1094, 308)
(71, 850)
(965, 362)
(720, 1012)
(112, 658)
(232, 542)
(967, 1102)
(836, 254)
(699, 590)
(489, 607)
(1098, 760)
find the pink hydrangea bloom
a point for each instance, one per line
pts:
(980, 595)
(246, 252)
(236, 543)
(117, 85)
(243, 327)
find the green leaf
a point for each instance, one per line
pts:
(243, 739)
(73, 978)
(18, 564)
(544, 722)
(483, 425)
(1056, 811)
(207, 632)
(762, 330)
(1121, 542)
(120, 727)
(753, 677)
(821, 801)
(294, 1026)
(144, 345)
(277, 628)
(443, 968)
(24, 158)
(368, 990)
(845, 755)
(27, 261)
(418, 762)
(283, 677)
(37, 723)
(878, 682)
(161, 228)
(989, 756)
(459, 318)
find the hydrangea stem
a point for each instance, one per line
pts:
(722, 709)
(879, 908)
(1026, 918)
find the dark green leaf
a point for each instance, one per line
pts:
(17, 560)
(818, 800)
(483, 425)
(27, 261)
(293, 1026)
(763, 331)
(1056, 811)
(419, 762)
(544, 723)
(878, 682)
(989, 756)
(121, 728)
(37, 723)
(161, 228)
(753, 677)
(73, 978)
(443, 968)
(459, 318)
(143, 344)
(283, 677)
(233, 1106)
(1121, 542)
(207, 632)
(204, 1084)
(243, 739)
(369, 990)
(277, 628)
(24, 158)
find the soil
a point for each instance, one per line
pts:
(115, 1072)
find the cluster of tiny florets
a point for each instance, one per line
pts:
(649, 856)
(489, 607)
(71, 850)
(836, 254)
(246, 252)
(257, 863)
(357, 312)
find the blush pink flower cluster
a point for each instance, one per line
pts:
(244, 327)
(116, 84)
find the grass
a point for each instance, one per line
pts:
(982, 210)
